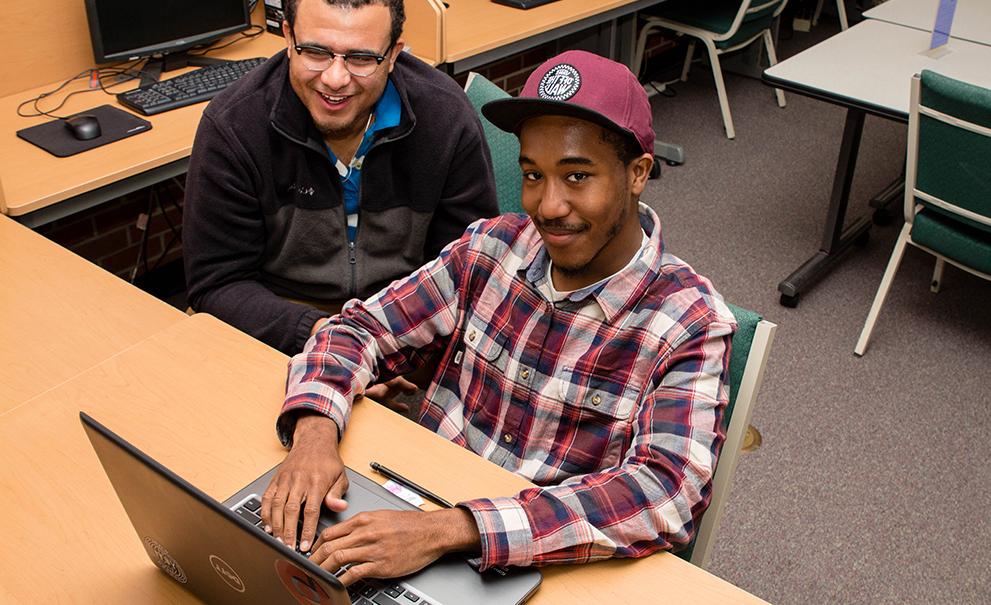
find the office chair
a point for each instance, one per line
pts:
(748, 359)
(947, 183)
(504, 147)
(723, 26)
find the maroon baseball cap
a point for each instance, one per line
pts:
(583, 85)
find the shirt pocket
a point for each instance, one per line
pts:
(596, 413)
(484, 360)
(596, 395)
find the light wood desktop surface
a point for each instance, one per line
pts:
(971, 18)
(202, 399)
(34, 179)
(62, 314)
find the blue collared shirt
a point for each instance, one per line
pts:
(387, 112)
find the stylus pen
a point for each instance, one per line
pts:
(429, 495)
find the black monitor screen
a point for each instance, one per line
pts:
(123, 29)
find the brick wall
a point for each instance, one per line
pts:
(109, 235)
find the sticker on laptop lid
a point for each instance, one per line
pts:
(301, 585)
(160, 555)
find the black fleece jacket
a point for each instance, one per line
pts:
(264, 216)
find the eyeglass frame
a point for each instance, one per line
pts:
(299, 48)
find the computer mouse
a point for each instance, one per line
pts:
(83, 127)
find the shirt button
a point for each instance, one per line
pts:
(524, 374)
(471, 337)
(596, 399)
(507, 438)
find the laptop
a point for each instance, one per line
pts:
(219, 553)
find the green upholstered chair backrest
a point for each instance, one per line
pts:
(954, 164)
(718, 16)
(742, 340)
(503, 146)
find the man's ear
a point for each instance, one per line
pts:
(287, 33)
(638, 171)
(396, 49)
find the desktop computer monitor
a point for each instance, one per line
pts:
(132, 29)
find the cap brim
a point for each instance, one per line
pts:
(509, 113)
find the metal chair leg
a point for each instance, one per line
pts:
(772, 59)
(641, 47)
(688, 60)
(937, 280)
(717, 75)
(841, 11)
(882, 290)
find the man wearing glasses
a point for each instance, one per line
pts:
(327, 172)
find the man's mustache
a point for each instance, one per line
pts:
(559, 226)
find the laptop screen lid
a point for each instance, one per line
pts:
(200, 543)
(223, 558)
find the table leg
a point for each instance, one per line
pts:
(835, 239)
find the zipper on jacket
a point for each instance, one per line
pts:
(352, 260)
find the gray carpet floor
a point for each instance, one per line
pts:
(872, 484)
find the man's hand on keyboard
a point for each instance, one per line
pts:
(391, 544)
(311, 474)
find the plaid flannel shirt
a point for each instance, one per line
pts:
(617, 420)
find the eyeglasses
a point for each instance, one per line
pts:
(361, 64)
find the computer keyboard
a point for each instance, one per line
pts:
(524, 3)
(362, 592)
(199, 85)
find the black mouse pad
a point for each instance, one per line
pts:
(55, 138)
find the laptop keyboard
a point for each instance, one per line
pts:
(362, 592)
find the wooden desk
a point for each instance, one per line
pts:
(202, 399)
(971, 21)
(40, 188)
(62, 314)
(476, 32)
(867, 69)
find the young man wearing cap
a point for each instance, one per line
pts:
(575, 351)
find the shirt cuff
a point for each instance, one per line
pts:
(504, 527)
(285, 425)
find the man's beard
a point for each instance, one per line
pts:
(614, 229)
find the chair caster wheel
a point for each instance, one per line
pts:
(883, 217)
(788, 301)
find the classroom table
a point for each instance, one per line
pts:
(62, 314)
(477, 32)
(867, 69)
(40, 188)
(202, 399)
(971, 22)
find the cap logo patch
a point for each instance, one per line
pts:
(560, 83)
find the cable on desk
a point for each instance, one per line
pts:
(252, 32)
(114, 71)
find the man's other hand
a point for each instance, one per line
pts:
(390, 544)
(386, 393)
(312, 473)
(317, 325)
